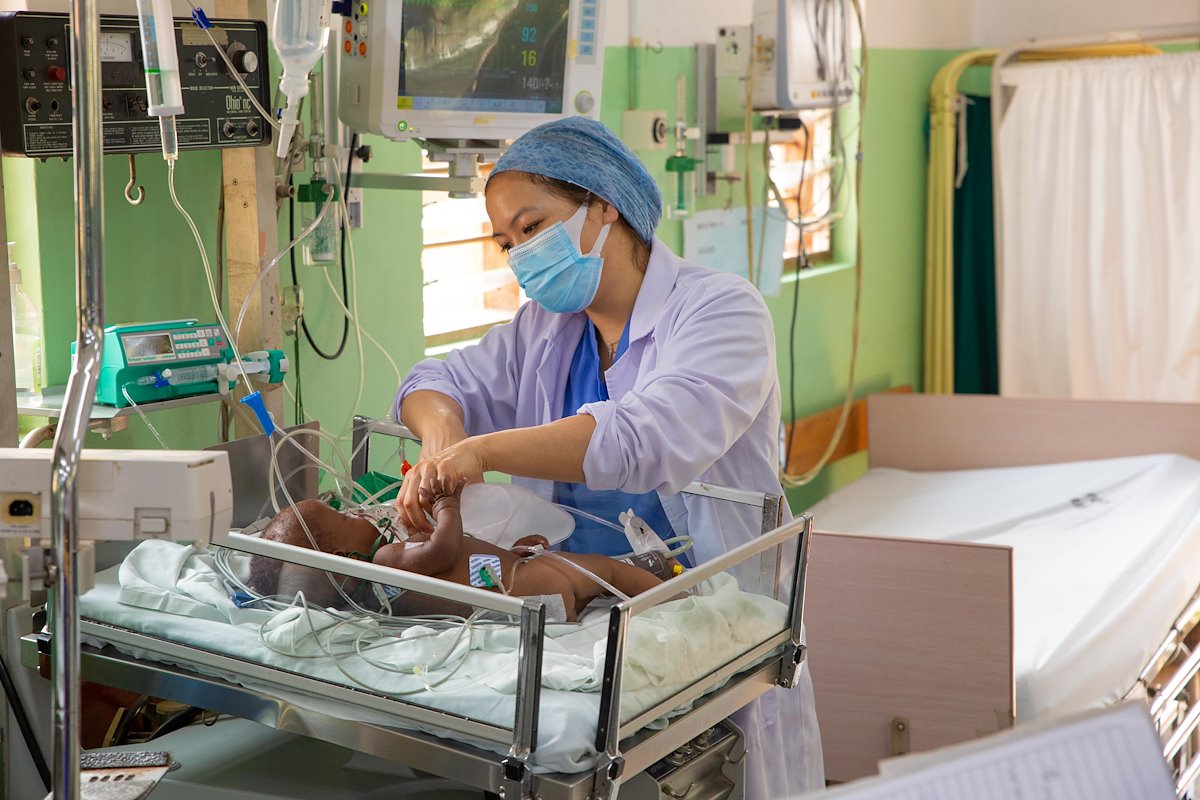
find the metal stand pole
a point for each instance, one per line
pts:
(81, 388)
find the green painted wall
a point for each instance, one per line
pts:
(153, 270)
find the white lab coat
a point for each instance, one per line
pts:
(695, 397)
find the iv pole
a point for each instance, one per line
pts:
(81, 389)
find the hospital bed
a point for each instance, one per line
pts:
(531, 715)
(1007, 560)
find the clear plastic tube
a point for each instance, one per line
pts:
(592, 517)
(140, 413)
(269, 117)
(212, 289)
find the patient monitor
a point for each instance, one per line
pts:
(472, 70)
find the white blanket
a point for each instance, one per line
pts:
(668, 648)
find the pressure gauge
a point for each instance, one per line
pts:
(116, 46)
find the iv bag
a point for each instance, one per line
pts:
(501, 513)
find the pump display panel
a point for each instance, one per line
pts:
(468, 69)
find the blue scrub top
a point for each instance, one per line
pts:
(585, 384)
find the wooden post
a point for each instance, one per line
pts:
(251, 236)
(8, 378)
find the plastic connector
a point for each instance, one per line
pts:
(201, 19)
(259, 407)
(343, 7)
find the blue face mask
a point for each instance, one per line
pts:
(553, 270)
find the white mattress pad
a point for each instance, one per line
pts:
(1106, 554)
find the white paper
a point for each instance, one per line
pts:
(1111, 754)
(717, 239)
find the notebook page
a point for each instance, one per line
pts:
(1110, 754)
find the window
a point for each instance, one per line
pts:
(468, 286)
(804, 167)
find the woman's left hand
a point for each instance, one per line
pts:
(458, 464)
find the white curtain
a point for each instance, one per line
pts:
(1100, 189)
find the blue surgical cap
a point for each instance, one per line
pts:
(584, 152)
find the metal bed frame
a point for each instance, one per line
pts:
(626, 750)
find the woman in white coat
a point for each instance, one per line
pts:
(632, 374)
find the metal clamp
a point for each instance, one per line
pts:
(517, 780)
(789, 666)
(606, 779)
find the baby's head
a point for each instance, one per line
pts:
(270, 576)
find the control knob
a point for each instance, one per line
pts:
(244, 59)
(584, 102)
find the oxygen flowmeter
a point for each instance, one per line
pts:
(156, 361)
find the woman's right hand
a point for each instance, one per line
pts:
(408, 500)
(438, 420)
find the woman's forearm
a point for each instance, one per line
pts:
(553, 451)
(434, 417)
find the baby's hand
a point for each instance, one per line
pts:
(533, 540)
(438, 492)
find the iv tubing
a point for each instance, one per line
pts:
(266, 271)
(140, 413)
(592, 517)
(212, 289)
(270, 118)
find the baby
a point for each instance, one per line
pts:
(447, 553)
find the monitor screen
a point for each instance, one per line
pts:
(148, 346)
(488, 55)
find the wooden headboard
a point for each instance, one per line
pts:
(937, 432)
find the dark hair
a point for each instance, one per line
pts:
(640, 252)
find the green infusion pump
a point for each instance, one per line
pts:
(156, 361)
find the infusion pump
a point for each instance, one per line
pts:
(477, 70)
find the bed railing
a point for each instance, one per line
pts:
(1175, 706)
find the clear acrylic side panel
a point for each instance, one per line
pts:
(712, 631)
(357, 648)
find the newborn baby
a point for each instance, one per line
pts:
(446, 553)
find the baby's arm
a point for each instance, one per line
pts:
(444, 546)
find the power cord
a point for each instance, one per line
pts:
(801, 264)
(789, 480)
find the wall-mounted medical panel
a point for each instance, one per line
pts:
(36, 80)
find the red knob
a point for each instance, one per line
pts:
(57, 74)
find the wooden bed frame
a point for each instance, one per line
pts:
(911, 640)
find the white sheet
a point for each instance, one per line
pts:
(1105, 556)
(171, 591)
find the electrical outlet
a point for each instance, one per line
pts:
(644, 130)
(733, 51)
